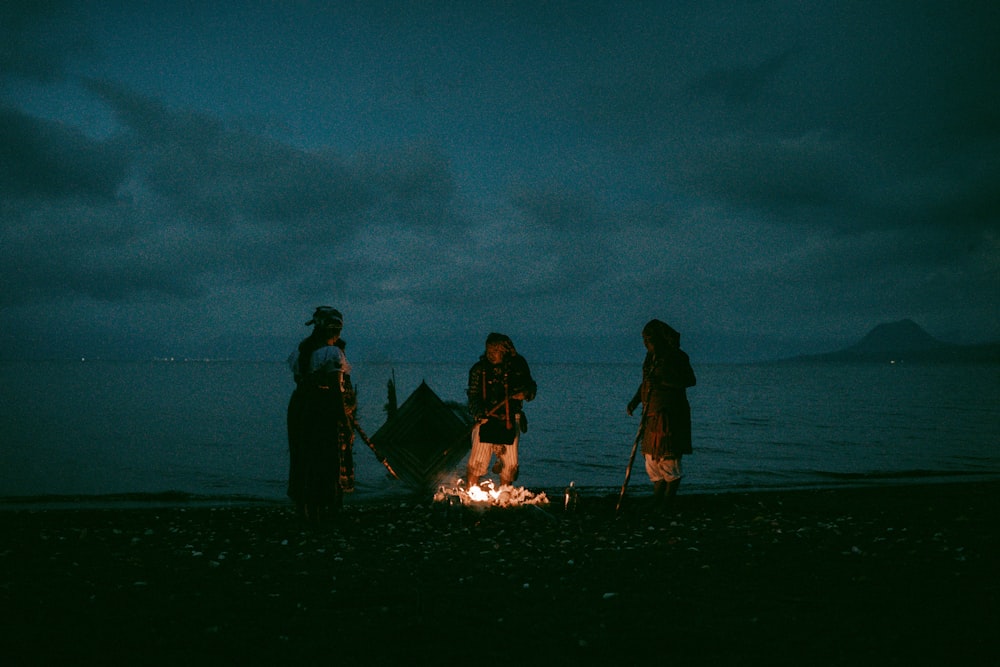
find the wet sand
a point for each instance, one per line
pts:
(880, 576)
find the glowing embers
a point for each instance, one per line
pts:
(487, 494)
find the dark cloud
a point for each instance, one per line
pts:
(39, 37)
(740, 85)
(414, 184)
(41, 159)
(564, 243)
(213, 175)
(878, 116)
(177, 203)
(764, 176)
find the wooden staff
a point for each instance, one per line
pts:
(506, 400)
(371, 446)
(631, 458)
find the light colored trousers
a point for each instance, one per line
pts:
(482, 452)
(663, 470)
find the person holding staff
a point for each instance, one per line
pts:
(666, 436)
(499, 383)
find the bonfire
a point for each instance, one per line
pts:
(486, 494)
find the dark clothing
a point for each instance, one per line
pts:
(320, 436)
(490, 388)
(665, 377)
(316, 441)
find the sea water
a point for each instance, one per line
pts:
(214, 431)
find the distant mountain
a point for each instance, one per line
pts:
(904, 341)
(904, 336)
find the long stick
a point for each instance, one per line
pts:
(371, 446)
(631, 458)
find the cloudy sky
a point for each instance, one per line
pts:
(771, 178)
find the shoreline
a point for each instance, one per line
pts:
(637, 488)
(898, 573)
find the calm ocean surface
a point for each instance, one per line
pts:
(215, 431)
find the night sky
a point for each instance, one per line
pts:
(770, 178)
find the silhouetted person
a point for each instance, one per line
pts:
(666, 437)
(320, 433)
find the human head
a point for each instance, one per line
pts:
(660, 335)
(499, 347)
(327, 320)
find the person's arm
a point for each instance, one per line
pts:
(524, 386)
(634, 403)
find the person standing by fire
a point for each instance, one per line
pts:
(499, 383)
(320, 410)
(666, 413)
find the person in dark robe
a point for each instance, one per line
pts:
(666, 413)
(320, 410)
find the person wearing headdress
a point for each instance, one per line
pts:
(666, 413)
(499, 384)
(320, 410)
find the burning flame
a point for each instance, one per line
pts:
(489, 494)
(479, 495)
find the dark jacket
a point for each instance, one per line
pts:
(490, 389)
(665, 377)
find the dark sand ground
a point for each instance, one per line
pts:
(870, 576)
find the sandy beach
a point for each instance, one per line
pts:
(888, 575)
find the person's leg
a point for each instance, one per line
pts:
(656, 477)
(659, 493)
(672, 474)
(666, 477)
(479, 459)
(508, 474)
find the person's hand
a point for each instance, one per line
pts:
(632, 405)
